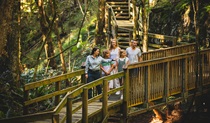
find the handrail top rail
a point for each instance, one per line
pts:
(162, 59)
(165, 59)
(96, 82)
(115, 20)
(51, 80)
(168, 48)
(75, 92)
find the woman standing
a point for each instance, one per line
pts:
(114, 54)
(92, 69)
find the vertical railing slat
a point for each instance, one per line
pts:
(69, 112)
(105, 99)
(85, 106)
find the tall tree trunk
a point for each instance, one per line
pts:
(134, 20)
(100, 36)
(10, 41)
(60, 47)
(145, 25)
(198, 71)
(45, 27)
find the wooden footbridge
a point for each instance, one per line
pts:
(177, 72)
(162, 74)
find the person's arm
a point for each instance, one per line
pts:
(127, 52)
(140, 56)
(86, 67)
(127, 63)
(110, 70)
(104, 60)
(102, 68)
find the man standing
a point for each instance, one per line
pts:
(133, 52)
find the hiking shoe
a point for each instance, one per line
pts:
(117, 93)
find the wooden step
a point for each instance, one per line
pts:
(123, 17)
(120, 6)
(117, 3)
(120, 10)
(123, 34)
(124, 43)
(121, 14)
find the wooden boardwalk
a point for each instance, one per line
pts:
(93, 108)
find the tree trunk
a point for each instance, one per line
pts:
(198, 68)
(134, 20)
(145, 25)
(100, 36)
(45, 27)
(10, 41)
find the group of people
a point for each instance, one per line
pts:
(111, 62)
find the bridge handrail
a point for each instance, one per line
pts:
(57, 109)
(49, 81)
(112, 13)
(111, 22)
(79, 91)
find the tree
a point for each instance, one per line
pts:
(46, 27)
(134, 20)
(99, 35)
(10, 58)
(145, 24)
(10, 41)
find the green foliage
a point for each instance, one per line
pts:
(77, 50)
(10, 96)
(181, 6)
(207, 8)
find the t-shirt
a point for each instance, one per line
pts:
(133, 54)
(106, 66)
(94, 63)
(114, 53)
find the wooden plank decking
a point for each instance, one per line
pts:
(77, 116)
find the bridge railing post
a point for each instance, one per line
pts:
(85, 105)
(83, 79)
(57, 88)
(126, 94)
(69, 112)
(185, 79)
(166, 81)
(26, 98)
(147, 89)
(55, 118)
(105, 99)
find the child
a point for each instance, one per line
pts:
(121, 62)
(107, 67)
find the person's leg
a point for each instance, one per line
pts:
(90, 79)
(98, 87)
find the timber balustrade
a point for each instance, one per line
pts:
(156, 78)
(54, 82)
(164, 77)
(111, 22)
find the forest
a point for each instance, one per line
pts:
(44, 38)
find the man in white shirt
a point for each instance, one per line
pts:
(133, 52)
